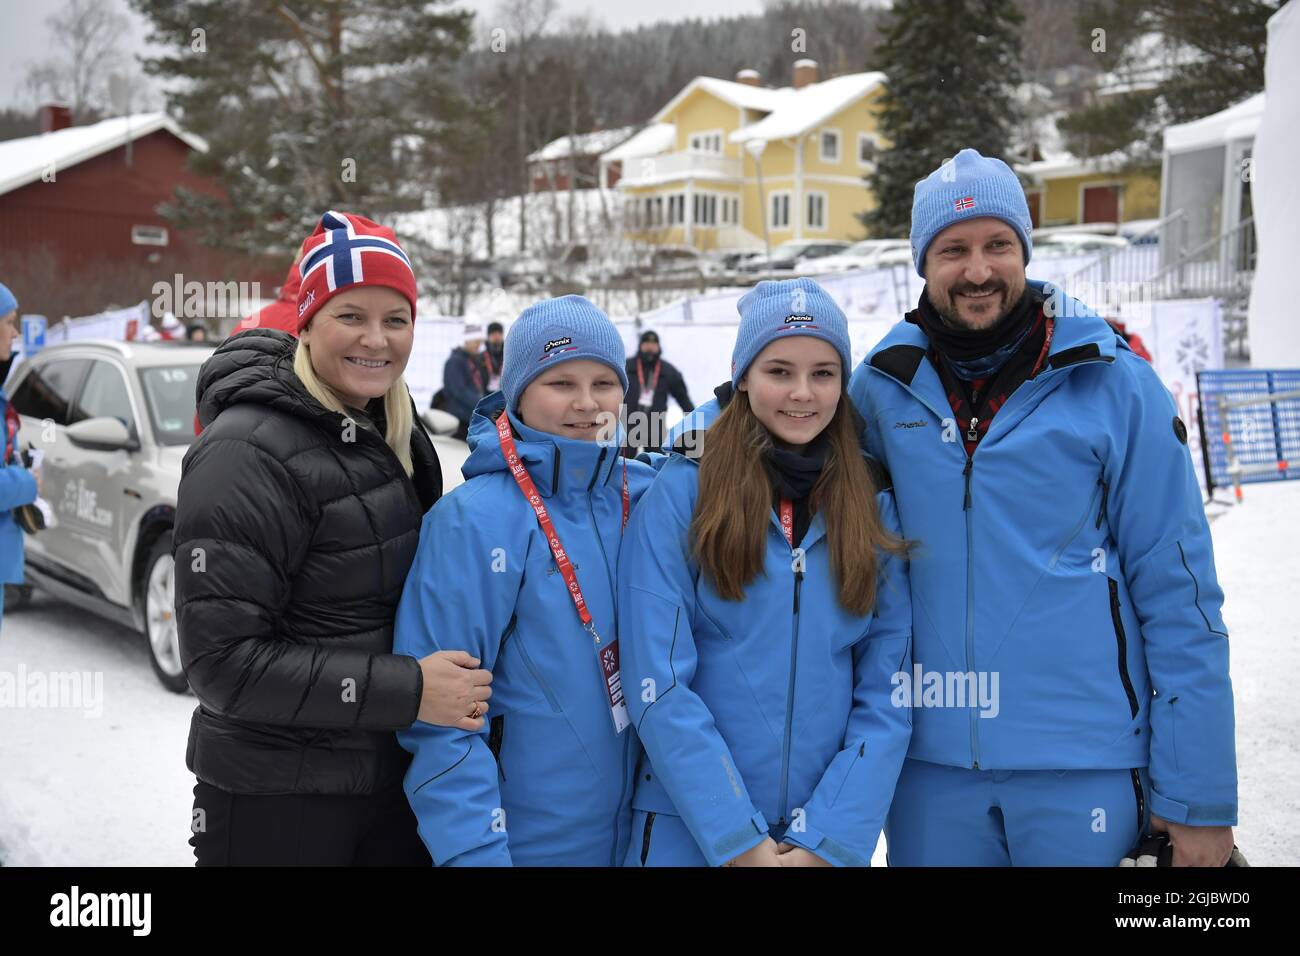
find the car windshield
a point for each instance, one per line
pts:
(169, 395)
(790, 250)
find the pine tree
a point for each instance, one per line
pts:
(950, 68)
(306, 105)
(1180, 59)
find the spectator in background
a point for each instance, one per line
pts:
(463, 381)
(494, 355)
(18, 486)
(196, 333)
(281, 314)
(650, 381)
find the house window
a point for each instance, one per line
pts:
(704, 209)
(866, 150)
(659, 210)
(780, 211)
(148, 235)
(816, 211)
(676, 209)
(706, 142)
(730, 208)
(830, 146)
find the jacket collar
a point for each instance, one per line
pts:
(1079, 335)
(557, 465)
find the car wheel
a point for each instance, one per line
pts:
(17, 596)
(159, 595)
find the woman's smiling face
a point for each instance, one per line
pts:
(360, 342)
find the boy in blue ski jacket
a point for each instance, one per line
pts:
(548, 779)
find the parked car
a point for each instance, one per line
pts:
(900, 256)
(1076, 243)
(1141, 232)
(525, 272)
(114, 420)
(860, 255)
(789, 254)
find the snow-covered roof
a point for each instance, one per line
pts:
(740, 95)
(22, 161)
(800, 110)
(649, 141)
(1240, 121)
(585, 144)
(1147, 62)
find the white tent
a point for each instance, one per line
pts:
(1203, 176)
(1274, 330)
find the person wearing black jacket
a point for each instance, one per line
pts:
(297, 518)
(464, 379)
(650, 381)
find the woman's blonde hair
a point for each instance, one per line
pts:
(397, 405)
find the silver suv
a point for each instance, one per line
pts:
(114, 420)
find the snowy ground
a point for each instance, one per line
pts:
(79, 790)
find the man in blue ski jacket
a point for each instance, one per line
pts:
(1070, 685)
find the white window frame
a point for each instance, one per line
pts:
(143, 235)
(821, 144)
(704, 209)
(875, 146)
(810, 195)
(772, 198)
(709, 137)
(676, 209)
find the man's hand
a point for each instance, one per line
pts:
(1196, 846)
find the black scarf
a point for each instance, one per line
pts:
(977, 353)
(793, 475)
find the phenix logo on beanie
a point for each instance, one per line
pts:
(781, 308)
(348, 251)
(554, 331)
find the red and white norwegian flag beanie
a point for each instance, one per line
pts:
(347, 251)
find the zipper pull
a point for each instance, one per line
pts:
(970, 462)
(972, 433)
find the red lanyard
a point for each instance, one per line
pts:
(562, 562)
(11, 431)
(487, 360)
(640, 375)
(474, 373)
(787, 521)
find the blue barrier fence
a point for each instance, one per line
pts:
(1250, 425)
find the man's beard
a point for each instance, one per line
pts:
(951, 315)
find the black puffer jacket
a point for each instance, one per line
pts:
(293, 538)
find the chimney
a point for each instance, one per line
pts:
(805, 72)
(749, 78)
(55, 118)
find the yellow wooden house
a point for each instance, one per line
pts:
(1065, 191)
(693, 175)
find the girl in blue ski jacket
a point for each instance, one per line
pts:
(764, 612)
(548, 780)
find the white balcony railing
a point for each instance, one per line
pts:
(646, 170)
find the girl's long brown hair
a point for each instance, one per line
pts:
(730, 525)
